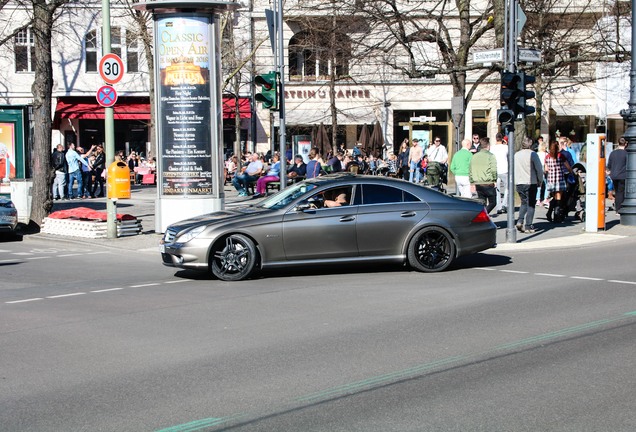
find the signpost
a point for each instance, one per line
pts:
(106, 96)
(111, 68)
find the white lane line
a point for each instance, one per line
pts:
(66, 295)
(106, 290)
(69, 255)
(550, 275)
(144, 285)
(15, 260)
(38, 258)
(515, 271)
(485, 268)
(586, 278)
(21, 253)
(622, 282)
(96, 253)
(177, 281)
(25, 300)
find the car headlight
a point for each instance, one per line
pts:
(190, 234)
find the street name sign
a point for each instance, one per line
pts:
(489, 56)
(529, 55)
(111, 68)
(106, 96)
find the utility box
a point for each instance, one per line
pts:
(118, 181)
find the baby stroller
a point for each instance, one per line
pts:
(576, 198)
(437, 176)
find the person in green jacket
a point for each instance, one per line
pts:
(483, 174)
(460, 166)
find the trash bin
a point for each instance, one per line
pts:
(118, 180)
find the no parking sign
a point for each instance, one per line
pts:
(106, 96)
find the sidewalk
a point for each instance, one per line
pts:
(142, 205)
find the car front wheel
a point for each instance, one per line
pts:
(431, 250)
(234, 259)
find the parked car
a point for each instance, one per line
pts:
(338, 218)
(8, 216)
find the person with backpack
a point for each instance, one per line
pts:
(58, 163)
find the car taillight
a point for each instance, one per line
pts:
(481, 217)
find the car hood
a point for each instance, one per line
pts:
(222, 216)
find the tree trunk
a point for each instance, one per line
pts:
(42, 101)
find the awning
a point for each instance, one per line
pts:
(229, 107)
(84, 108)
(130, 108)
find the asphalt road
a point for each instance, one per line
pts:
(95, 339)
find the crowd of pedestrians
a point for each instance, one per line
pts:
(80, 174)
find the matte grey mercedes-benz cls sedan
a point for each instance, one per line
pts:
(339, 218)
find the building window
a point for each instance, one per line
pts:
(24, 51)
(90, 48)
(125, 45)
(310, 58)
(574, 64)
(132, 52)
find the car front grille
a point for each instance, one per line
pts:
(169, 236)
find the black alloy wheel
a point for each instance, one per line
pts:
(234, 259)
(431, 250)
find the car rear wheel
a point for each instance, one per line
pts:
(234, 259)
(431, 250)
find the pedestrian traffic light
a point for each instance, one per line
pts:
(526, 94)
(510, 91)
(268, 95)
(506, 118)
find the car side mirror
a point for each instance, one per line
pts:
(302, 207)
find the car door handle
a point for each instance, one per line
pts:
(347, 218)
(408, 214)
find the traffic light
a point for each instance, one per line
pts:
(510, 93)
(524, 109)
(506, 118)
(268, 95)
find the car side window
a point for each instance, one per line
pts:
(333, 197)
(380, 194)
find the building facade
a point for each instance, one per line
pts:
(344, 68)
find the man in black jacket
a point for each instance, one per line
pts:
(617, 170)
(58, 163)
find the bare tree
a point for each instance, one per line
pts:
(44, 12)
(423, 38)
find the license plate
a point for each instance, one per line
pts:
(162, 248)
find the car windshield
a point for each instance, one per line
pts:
(286, 196)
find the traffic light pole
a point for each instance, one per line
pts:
(281, 97)
(511, 66)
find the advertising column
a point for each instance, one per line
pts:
(186, 82)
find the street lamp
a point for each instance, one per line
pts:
(628, 209)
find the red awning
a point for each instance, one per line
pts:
(229, 107)
(130, 108)
(89, 109)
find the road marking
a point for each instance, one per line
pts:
(21, 253)
(69, 255)
(622, 282)
(144, 285)
(515, 271)
(25, 300)
(550, 275)
(485, 268)
(37, 258)
(66, 295)
(177, 281)
(106, 290)
(586, 278)
(15, 260)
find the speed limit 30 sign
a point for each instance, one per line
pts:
(111, 68)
